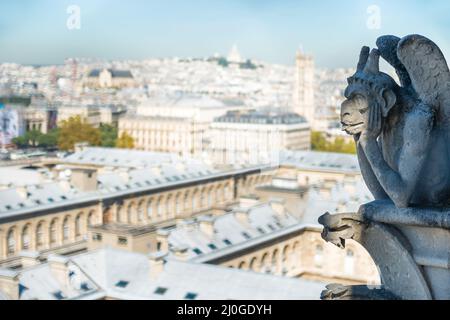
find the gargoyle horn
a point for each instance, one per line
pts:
(373, 63)
(363, 56)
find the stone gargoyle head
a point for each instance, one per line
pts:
(367, 89)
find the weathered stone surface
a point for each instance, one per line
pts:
(340, 292)
(402, 131)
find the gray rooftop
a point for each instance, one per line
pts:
(260, 117)
(259, 221)
(321, 161)
(125, 275)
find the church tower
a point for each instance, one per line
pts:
(304, 86)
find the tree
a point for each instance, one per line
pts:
(125, 141)
(108, 135)
(319, 142)
(223, 62)
(49, 140)
(75, 130)
(21, 142)
(31, 139)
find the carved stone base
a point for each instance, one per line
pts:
(410, 246)
(340, 292)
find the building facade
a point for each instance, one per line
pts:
(109, 78)
(54, 216)
(256, 137)
(182, 136)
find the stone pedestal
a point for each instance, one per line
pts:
(410, 246)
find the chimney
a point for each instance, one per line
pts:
(206, 225)
(181, 252)
(29, 258)
(162, 239)
(156, 264)
(278, 206)
(9, 283)
(241, 215)
(84, 179)
(124, 174)
(59, 268)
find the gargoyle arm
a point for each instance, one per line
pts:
(400, 185)
(369, 177)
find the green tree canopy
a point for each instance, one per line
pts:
(125, 141)
(108, 135)
(319, 142)
(75, 130)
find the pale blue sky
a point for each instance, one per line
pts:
(34, 31)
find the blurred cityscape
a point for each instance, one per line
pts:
(155, 179)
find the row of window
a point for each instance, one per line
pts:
(164, 206)
(52, 232)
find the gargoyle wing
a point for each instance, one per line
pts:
(387, 45)
(429, 73)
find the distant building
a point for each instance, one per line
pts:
(96, 186)
(182, 136)
(234, 56)
(198, 108)
(109, 78)
(176, 125)
(90, 114)
(256, 137)
(304, 87)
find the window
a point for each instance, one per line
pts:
(129, 213)
(11, 239)
(122, 241)
(85, 286)
(178, 204)
(40, 234)
(160, 290)
(227, 242)
(140, 212)
(158, 246)
(58, 295)
(91, 221)
(212, 246)
(25, 238)
(119, 214)
(246, 235)
(122, 284)
(159, 208)
(53, 232)
(194, 201)
(260, 230)
(190, 296)
(66, 229)
(149, 209)
(97, 237)
(271, 227)
(78, 225)
(197, 251)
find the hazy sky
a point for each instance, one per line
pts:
(35, 31)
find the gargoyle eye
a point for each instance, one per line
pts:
(363, 110)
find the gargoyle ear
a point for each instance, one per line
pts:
(389, 99)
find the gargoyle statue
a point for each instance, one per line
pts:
(402, 132)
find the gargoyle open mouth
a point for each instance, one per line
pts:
(351, 127)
